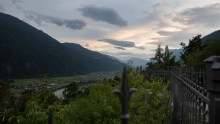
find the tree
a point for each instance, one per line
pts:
(194, 43)
(158, 55)
(168, 59)
(24, 97)
(150, 65)
(163, 59)
(71, 90)
(196, 58)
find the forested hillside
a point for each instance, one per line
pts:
(26, 52)
(97, 59)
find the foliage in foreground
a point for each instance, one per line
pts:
(150, 104)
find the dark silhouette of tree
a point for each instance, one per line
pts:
(158, 54)
(71, 91)
(194, 43)
(210, 48)
(168, 59)
(163, 59)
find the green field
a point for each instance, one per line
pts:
(62, 81)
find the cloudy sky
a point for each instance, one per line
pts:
(121, 28)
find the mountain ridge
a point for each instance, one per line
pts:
(137, 61)
(27, 52)
(213, 35)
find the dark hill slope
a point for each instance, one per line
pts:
(213, 35)
(94, 58)
(26, 52)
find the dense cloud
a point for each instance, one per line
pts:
(195, 21)
(103, 14)
(118, 43)
(165, 33)
(121, 44)
(39, 18)
(122, 48)
(207, 16)
(141, 48)
(176, 27)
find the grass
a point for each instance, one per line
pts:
(62, 81)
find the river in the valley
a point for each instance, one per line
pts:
(59, 93)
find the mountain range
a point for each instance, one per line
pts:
(26, 52)
(137, 62)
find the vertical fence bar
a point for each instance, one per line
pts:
(181, 94)
(203, 107)
(50, 118)
(192, 94)
(124, 96)
(199, 111)
(188, 106)
(213, 87)
(199, 100)
(206, 94)
(175, 116)
(185, 107)
(190, 97)
(196, 99)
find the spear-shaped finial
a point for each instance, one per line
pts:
(124, 96)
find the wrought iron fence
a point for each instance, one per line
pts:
(196, 92)
(190, 96)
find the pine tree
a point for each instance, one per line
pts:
(163, 59)
(158, 55)
(169, 59)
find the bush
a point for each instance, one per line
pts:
(150, 104)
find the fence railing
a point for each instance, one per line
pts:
(190, 96)
(196, 92)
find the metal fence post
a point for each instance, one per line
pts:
(213, 87)
(168, 77)
(124, 96)
(182, 94)
(176, 115)
(50, 118)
